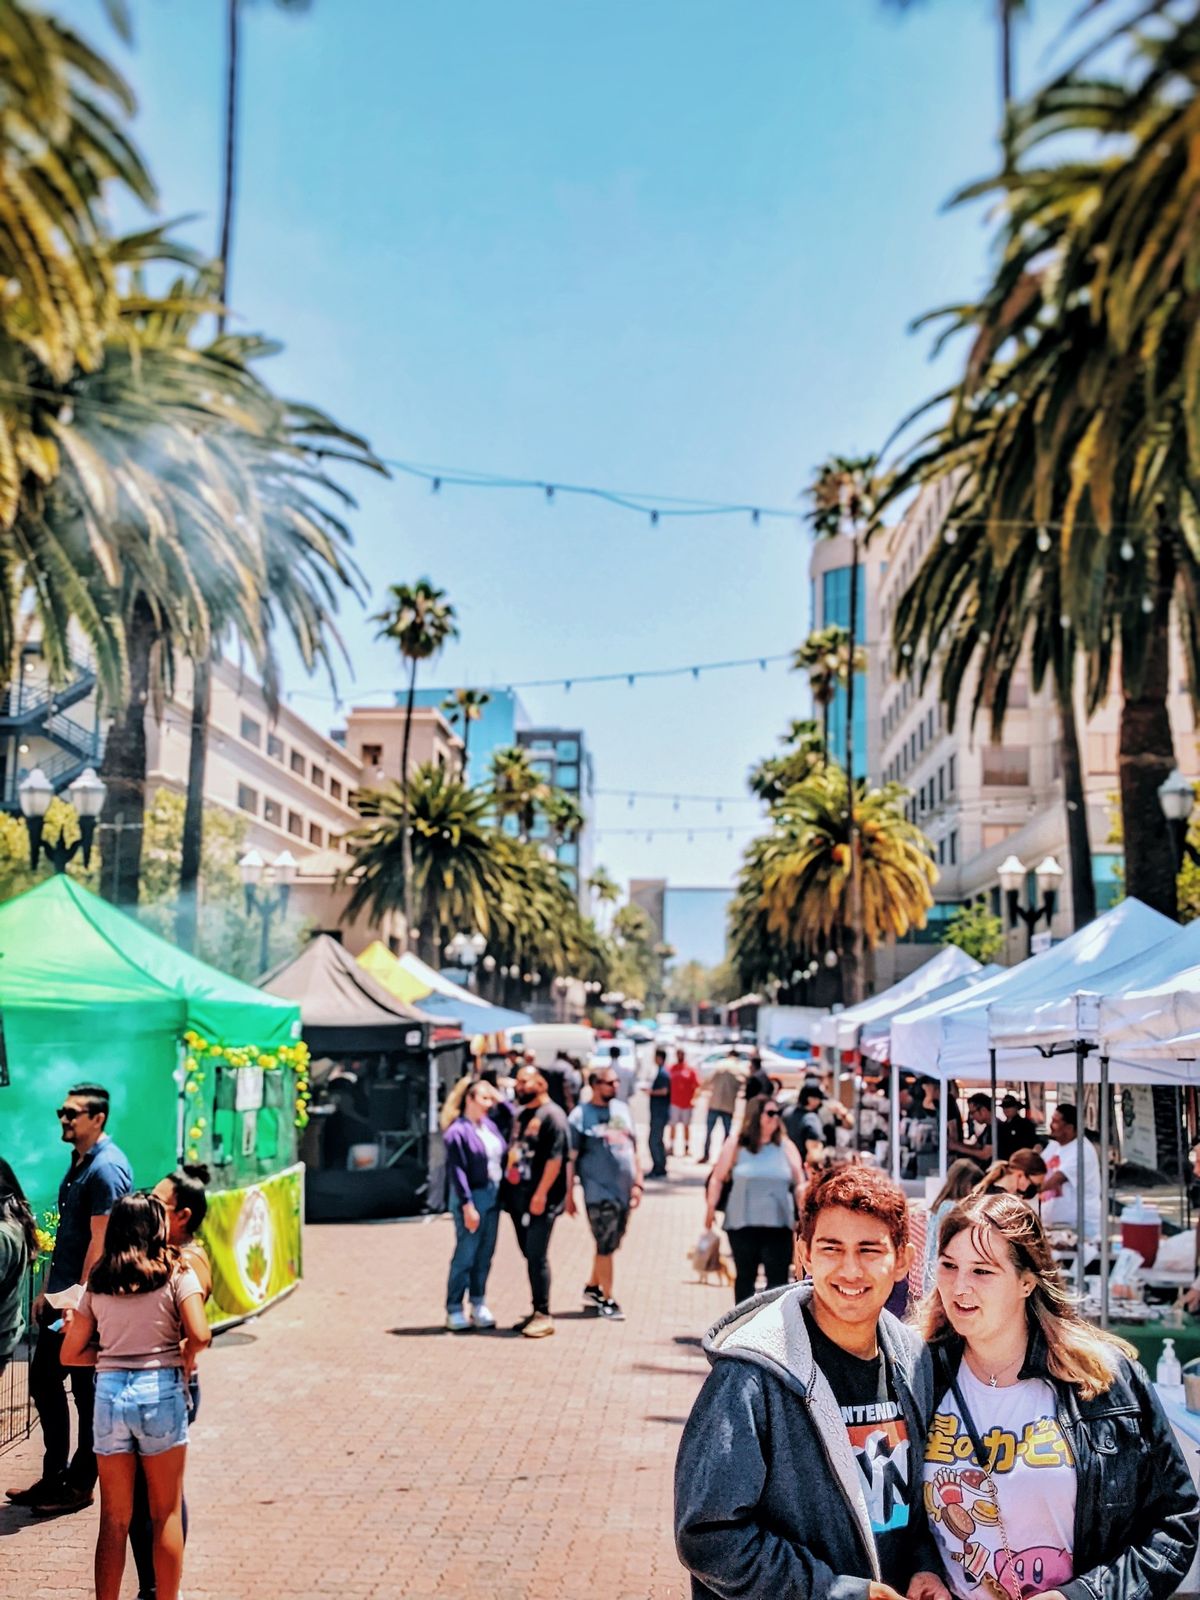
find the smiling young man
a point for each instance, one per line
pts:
(795, 1472)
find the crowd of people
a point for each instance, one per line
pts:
(120, 1322)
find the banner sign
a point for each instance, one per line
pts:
(254, 1241)
(1140, 1142)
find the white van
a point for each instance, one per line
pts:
(546, 1039)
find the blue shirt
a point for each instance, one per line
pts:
(605, 1145)
(90, 1189)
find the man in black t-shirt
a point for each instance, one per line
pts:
(535, 1188)
(1015, 1131)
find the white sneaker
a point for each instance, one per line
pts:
(481, 1316)
(457, 1321)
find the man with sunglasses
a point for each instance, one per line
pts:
(98, 1176)
(604, 1153)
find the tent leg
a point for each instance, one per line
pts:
(1081, 1169)
(995, 1109)
(943, 1125)
(894, 1121)
(1104, 1183)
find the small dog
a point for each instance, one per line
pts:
(708, 1262)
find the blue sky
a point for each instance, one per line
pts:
(669, 245)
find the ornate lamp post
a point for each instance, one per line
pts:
(86, 795)
(267, 887)
(1049, 876)
(1178, 798)
(465, 950)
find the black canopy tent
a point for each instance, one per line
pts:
(377, 1074)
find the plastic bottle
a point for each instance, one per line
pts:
(1169, 1374)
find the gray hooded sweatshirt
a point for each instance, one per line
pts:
(768, 1496)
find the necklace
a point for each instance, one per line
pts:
(993, 1378)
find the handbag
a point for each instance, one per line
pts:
(985, 1466)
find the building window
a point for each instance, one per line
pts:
(567, 750)
(318, 775)
(567, 777)
(941, 784)
(921, 735)
(335, 789)
(247, 799)
(273, 813)
(950, 774)
(314, 834)
(1006, 765)
(296, 824)
(941, 852)
(372, 755)
(1018, 692)
(954, 848)
(299, 764)
(251, 730)
(275, 747)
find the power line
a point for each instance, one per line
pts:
(679, 798)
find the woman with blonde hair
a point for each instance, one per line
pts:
(1050, 1468)
(1021, 1175)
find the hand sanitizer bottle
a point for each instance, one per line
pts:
(1169, 1375)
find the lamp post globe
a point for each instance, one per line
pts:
(87, 794)
(1011, 874)
(285, 869)
(1177, 797)
(250, 869)
(35, 793)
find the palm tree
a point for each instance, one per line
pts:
(825, 656)
(800, 875)
(604, 887)
(564, 815)
(456, 878)
(420, 621)
(464, 707)
(517, 787)
(805, 747)
(193, 821)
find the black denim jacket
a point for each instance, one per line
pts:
(1136, 1507)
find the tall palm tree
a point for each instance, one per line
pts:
(420, 622)
(457, 871)
(604, 888)
(192, 846)
(825, 657)
(564, 815)
(804, 750)
(462, 708)
(518, 788)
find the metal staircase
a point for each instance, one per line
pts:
(34, 706)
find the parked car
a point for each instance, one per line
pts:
(794, 1049)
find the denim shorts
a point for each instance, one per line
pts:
(140, 1412)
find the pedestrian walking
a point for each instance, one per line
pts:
(475, 1155)
(723, 1089)
(535, 1189)
(563, 1082)
(184, 1197)
(660, 1114)
(145, 1311)
(97, 1177)
(766, 1185)
(604, 1157)
(626, 1074)
(793, 1476)
(803, 1124)
(757, 1081)
(18, 1250)
(685, 1085)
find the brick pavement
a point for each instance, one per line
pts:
(348, 1446)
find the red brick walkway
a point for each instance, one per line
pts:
(347, 1446)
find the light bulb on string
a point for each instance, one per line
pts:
(1147, 604)
(549, 491)
(654, 519)
(435, 485)
(1064, 622)
(1126, 551)
(696, 672)
(755, 517)
(1043, 540)
(950, 534)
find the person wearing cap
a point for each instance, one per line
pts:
(1015, 1131)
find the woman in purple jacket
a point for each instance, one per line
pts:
(475, 1151)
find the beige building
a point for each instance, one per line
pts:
(374, 737)
(979, 800)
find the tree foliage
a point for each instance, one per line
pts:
(977, 930)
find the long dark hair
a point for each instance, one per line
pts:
(189, 1183)
(15, 1208)
(751, 1136)
(961, 1177)
(138, 1255)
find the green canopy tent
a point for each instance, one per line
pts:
(199, 1066)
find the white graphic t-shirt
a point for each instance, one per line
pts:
(1061, 1210)
(1033, 1469)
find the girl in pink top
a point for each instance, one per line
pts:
(141, 1323)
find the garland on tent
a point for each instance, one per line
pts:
(295, 1056)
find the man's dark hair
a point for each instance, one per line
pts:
(811, 1091)
(1069, 1114)
(1011, 1100)
(983, 1100)
(614, 1052)
(660, 1055)
(95, 1098)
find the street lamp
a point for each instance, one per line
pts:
(86, 795)
(1177, 797)
(266, 886)
(465, 950)
(1049, 876)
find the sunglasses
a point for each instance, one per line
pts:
(771, 1111)
(66, 1114)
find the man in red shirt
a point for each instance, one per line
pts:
(685, 1085)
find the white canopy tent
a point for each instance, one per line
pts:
(842, 1028)
(875, 1039)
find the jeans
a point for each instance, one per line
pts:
(772, 1247)
(472, 1259)
(140, 1411)
(533, 1236)
(141, 1528)
(47, 1378)
(725, 1117)
(658, 1145)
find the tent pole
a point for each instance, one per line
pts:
(1104, 1183)
(1080, 1169)
(995, 1108)
(943, 1121)
(894, 1120)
